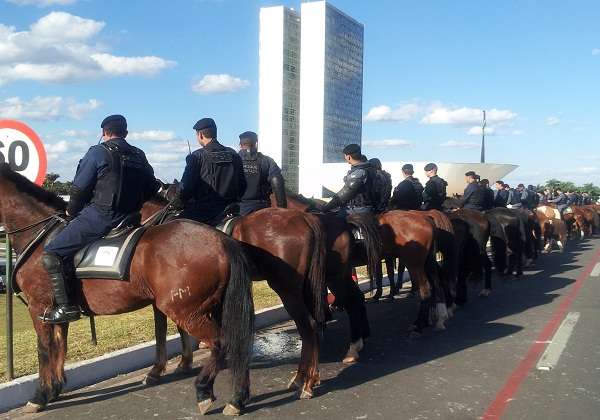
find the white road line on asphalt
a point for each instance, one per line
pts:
(549, 359)
(596, 271)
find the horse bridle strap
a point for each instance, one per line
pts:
(51, 223)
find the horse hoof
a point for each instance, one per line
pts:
(306, 395)
(204, 406)
(294, 383)
(151, 380)
(183, 370)
(350, 359)
(231, 410)
(440, 327)
(32, 407)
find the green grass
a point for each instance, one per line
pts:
(114, 332)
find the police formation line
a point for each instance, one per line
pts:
(201, 278)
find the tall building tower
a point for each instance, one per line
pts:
(279, 89)
(331, 83)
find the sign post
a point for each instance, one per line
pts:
(22, 149)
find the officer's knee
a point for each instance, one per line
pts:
(51, 262)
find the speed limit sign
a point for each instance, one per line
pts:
(23, 150)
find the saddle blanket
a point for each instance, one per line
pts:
(109, 257)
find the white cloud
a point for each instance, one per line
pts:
(46, 108)
(477, 131)
(388, 143)
(60, 48)
(596, 51)
(219, 83)
(467, 116)
(385, 113)
(552, 120)
(151, 135)
(517, 132)
(75, 133)
(42, 3)
(158, 158)
(460, 144)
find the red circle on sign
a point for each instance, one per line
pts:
(39, 146)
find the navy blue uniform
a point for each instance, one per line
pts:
(434, 193)
(259, 171)
(357, 195)
(95, 217)
(500, 198)
(212, 180)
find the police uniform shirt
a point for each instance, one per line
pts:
(96, 163)
(196, 179)
(434, 193)
(473, 197)
(407, 195)
(264, 168)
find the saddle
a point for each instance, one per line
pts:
(110, 257)
(226, 220)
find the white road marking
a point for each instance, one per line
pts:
(596, 271)
(549, 359)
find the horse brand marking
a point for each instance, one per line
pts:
(179, 293)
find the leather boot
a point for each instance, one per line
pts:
(63, 311)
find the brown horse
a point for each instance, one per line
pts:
(287, 249)
(342, 255)
(410, 236)
(552, 229)
(206, 290)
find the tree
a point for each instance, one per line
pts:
(51, 183)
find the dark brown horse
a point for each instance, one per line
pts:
(205, 290)
(287, 248)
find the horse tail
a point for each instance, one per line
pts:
(368, 225)
(315, 289)
(499, 242)
(431, 267)
(237, 323)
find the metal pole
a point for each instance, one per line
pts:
(10, 367)
(482, 160)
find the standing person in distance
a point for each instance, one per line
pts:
(434, 193)
(263, 176)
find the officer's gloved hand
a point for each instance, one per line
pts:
(332, 204)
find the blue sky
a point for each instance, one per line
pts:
(429, 67)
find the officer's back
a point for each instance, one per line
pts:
(213, 177)
(474, 194)
(434, 193)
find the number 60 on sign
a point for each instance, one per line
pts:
(23, 150)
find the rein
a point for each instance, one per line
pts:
(31, 226)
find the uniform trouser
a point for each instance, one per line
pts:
(89, 226)
(250, 206)
(348, 211)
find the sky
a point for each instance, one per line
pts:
(430, 67)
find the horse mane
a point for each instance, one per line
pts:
(33, 190)
(298, 197)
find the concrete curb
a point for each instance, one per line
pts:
(80, 374)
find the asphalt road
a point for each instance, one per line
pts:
(485, 360)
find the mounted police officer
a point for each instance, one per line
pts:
(357, 194)
(500, 195)
(112, 181)
(382, 186)
(533, 199)
(213, 178)
(488, 202)
(514, 198)
(561, 200)
(408, 194)
(263, 176)
(474, 196)
(434, 193)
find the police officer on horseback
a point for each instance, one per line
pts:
(408, 194)
(474, 195)
(213, 179)
(263, 176)
(382, 186)
(356, 196)
(434, 193)
(112, 182)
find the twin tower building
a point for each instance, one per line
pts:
(310, 90)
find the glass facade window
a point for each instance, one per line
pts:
(343, 84)
(291, 99)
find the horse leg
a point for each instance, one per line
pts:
(187, 354)
(160, 333)
(389, 268)
(487, 268)
(60, 337)
(205, 380)
(46, 362)
(378, 281)
(307, 375)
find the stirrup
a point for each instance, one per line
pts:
(61, 314)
